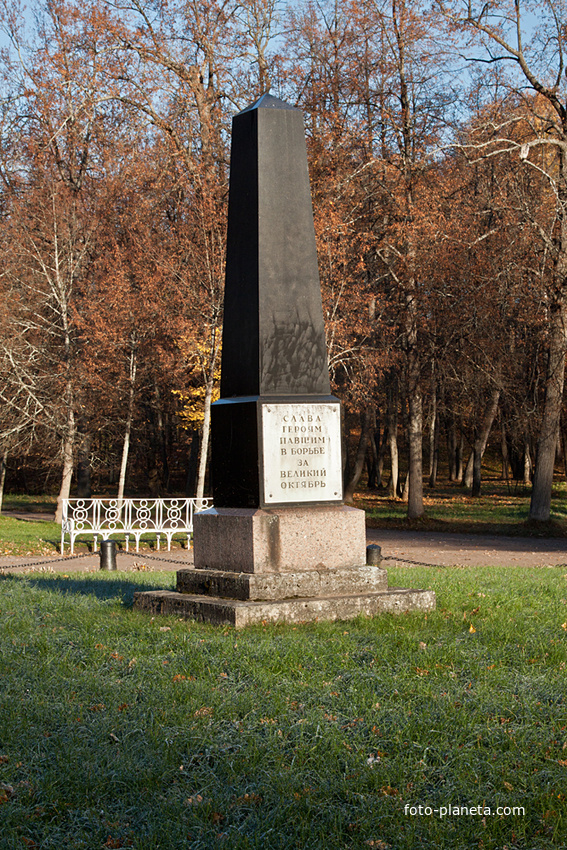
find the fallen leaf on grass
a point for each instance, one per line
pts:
(251, 799)
(6, 792)
(205, 711)
(194, 801)
(388, 791)
(379, 845)
(353, 723)
(472, 629)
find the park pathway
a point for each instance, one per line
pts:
(468, 550)
(398, 547)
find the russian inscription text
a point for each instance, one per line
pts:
(301, 452)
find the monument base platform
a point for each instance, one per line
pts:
(219, 611)
(270, 586)
(241, 599)
(288, 565)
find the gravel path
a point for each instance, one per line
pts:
(469, 550)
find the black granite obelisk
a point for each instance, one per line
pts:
(273, 332)
(274, 350)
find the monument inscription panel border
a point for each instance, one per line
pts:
(301, 451)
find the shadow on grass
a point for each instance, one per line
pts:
(102, 588)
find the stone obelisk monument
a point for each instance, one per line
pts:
(279, 543)
(276, 437)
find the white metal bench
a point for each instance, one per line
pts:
(106, 518)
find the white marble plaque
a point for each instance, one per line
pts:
(301, 452)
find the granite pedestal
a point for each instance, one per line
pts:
(276, 540)
(281, 565)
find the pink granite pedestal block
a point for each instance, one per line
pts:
(278, 540)
(281, 565)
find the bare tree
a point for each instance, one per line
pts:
(501, 33)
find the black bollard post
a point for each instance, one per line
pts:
(108, 555)
(373, 555)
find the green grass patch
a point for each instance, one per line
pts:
(44, 504)
(500, 509)
(25, 537)
(122, 730)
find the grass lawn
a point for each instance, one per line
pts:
(23, 537)
(44, 504)
(118, 730)
(501, 509)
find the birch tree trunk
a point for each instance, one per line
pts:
(68, 445)
(504, 450)
(129, 418)
(434, 451)
(473, 470)
(527, 464)
(205, 438)
(393, 440)
(415, 397)
(540, 504)
(451, 433)
(460, 453)
(415, 403)
(3, 464)
(84, 466)
(433, 437)
(206, 431)
(366, 424)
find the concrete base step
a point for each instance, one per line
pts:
(288, 585)
(239, 613)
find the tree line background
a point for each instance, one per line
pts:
(437, 144)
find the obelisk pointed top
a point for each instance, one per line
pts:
(268, 101)
(273, 329)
